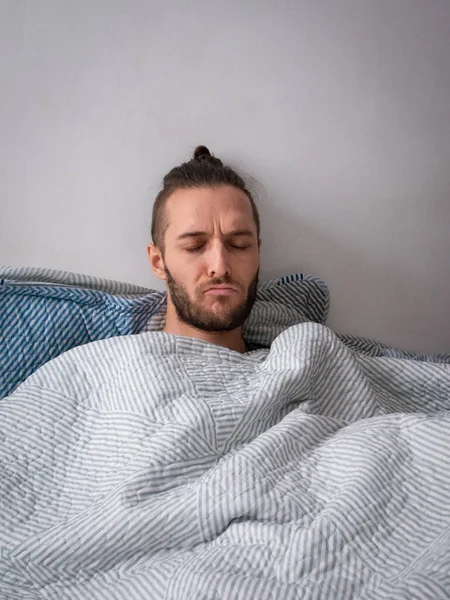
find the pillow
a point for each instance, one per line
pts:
(46, 312)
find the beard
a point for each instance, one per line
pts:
(194, 314)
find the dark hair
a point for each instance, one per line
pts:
(203, 170)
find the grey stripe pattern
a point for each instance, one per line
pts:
(162, 467)
(369, 347)
(280, 303)
(69, 279)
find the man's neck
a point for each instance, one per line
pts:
(228, 339)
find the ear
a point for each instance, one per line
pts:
(156, 261)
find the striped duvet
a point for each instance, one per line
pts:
(155, 466)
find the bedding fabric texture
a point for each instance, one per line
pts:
(162, 467)
(44, 312)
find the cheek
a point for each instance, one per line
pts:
(183, 267)
(248, 267)
(189, 274)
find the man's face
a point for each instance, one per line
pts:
(211, 257)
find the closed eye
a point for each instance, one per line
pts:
(201, 247)
(236, 247)
(195, 248)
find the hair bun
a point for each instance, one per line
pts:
(202, 153)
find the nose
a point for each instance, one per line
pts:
(218, 262)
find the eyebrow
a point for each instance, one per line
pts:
(194, 234)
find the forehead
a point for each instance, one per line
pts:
(213, 209)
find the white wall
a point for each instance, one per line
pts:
(337, 110)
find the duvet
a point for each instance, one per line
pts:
(161, 467)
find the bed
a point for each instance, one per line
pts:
(137, 464)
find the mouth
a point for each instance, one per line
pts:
(221, 290)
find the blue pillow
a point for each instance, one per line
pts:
(44, 313)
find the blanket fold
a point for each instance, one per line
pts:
(158, 466)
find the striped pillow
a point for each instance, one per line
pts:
(45, 312)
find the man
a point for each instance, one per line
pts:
(206, 246)
(162, 466)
